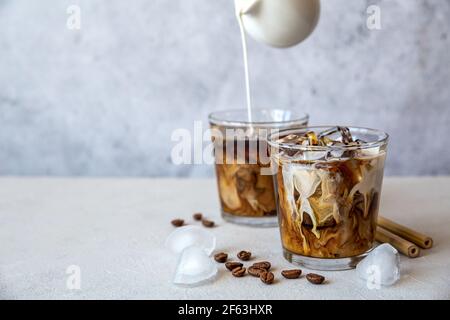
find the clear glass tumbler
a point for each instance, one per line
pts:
(244, 179)
(328, 184)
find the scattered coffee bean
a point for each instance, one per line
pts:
(197, 216)
(177, 222)
(254, 271)
(208, 223)
(232, 265)
(267, 277)
(244, 255)
(221, 257)
(315, 278)
(291, 274)
(238, 272)
(262, 265)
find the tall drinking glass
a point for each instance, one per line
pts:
(244, 179)
(328, 185)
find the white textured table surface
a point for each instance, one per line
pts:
(114, 230)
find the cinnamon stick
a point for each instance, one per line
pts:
(404, 246)
(413, 236)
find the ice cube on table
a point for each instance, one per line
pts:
(187, 236)
(194, 267)
(381, 266)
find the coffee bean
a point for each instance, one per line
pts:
(208, 223)
(291, 274)
(197, 216)
(263, 265)
(221, 257)
(177, 222)
(238, 272)
(244, 255)
(267, 277)
(254, 271)
(315, 278)
(232, 265)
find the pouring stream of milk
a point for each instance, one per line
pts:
(278, 23)
(247, 76)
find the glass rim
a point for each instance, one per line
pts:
(217, 118)
(383, 140)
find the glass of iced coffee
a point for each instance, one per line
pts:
(244, 178)
(328, 184)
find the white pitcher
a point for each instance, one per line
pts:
(278, 23)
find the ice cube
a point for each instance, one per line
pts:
(346, 135)
(326, 135)
(314, 155)
(336, 134)
(312, 138)
(188, 236)
(335, 154)
(381, 267)
(369, 152)
(194, 267)
(292, 139)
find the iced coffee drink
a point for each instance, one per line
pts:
(328, 184)
(244, 178)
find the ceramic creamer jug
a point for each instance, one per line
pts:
(278, 23)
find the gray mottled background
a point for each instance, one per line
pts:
(104, 100)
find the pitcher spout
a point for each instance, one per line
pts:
(246, 6)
